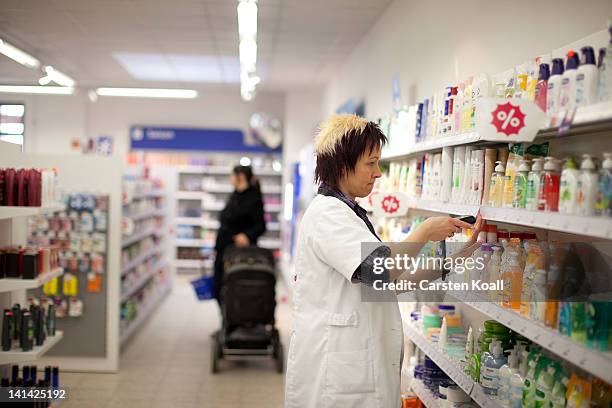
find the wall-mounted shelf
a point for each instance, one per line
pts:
(10, 284)
(16, 355)
(592, 361)
(10, 211)
(144, 312)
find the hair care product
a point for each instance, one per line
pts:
(603, 199)
(587, 78)
(568, 82)
(605, 69)
(554, 87)
(587, 187)
(489, 168)
(548, 198)
(541, 88)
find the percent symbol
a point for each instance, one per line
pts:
(508, 118)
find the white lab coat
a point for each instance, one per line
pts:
(343, 352)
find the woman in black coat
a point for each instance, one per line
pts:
(242, 219)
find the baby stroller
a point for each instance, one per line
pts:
(247, 307)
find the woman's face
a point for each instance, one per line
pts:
(238, 181)
(361, 182)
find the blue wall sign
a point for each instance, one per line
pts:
(193, 139)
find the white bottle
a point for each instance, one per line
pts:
(568, 190)
(587, 186)
(554, 87)
(493, 268)
(568, 82)
(539, 294)
(517, 382)
(587, 79)
(505, 374)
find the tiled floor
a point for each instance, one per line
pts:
(167, 364)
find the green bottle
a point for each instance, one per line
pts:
(519, 200)
(533, 184)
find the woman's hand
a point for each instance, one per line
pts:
(439, 228)
(241, 240)
(472, 244)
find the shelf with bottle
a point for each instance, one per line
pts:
(193, 263)
(142, 279)
(154, 212)
(194, 242)
(14, 211)
(17, 355)
(426, 397)
(591, 361)
(144, 311)
(138, 236)
(223, 170)
(11, 284)
(141, 257)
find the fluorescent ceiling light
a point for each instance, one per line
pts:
(58, 77)
(16, 54)
(15, 139)
(11, 128)
(29, 89)
(245, 161)
(248, 55)
(247, 18)
(148, 92)
(16, 111)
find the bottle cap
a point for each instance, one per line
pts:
(500, 166)
(607, 163)
(572, 61)
(557, 66)
(538, 164)
(486, 248)
(544, 73)
(551, 164)
(588, 56)
(570, 163)
(524, 166)
(587, 163)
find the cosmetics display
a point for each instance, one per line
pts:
(28, 262)
(28, 187)
(28, 327)
(49, 379)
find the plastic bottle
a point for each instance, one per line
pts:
(587, 187)
(548, 198)
(517, 382)
(578, 319)
(492, 271)
(490, 364)
(567, 98)
(505, 375)
(544, 386)
(568, 190)
(529, 385)
(512, 275)
(551, 314)
(541, 89)
(605, 70)
(603, 199)
(520, 185)
(557, 399)
(587, 78)
(533, 184)
(554, 87)
(539, 292)
(496, 189)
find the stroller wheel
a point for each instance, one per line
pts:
(214, 358)
(279, 357)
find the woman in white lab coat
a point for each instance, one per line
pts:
(346, 352)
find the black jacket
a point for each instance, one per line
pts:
(243, 213)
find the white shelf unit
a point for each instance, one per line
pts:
(592, 361)
(13, 212)
(11, 284)
(141, 258)
(220, 188)
(584, 116)
(149, 194)
(158, 212)
(142, 280)
(426, 397)
(139, 236)
(450, 367)
(144, 312)
(16, 355)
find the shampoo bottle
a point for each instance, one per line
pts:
(490, 365)
(587, 78)
(544, 386)
(603, 200)
(505, 375)
(587, 186)
(533, 184)
(554, 87)
(496, 190)
(493, 271)
(568, 191)
(548, 198)
(520, 185)
(568, 82)
(541, 89)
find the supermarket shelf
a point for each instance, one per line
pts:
(140, 236)
(222, 170)
(141, 258)
(428, 399)
(125, 295)
(482, 399)
(269, 243)
(185, 242)
(189, 221)
(213, 206)
(189, 195)
(599, 227)
(10, 284)
(149, 194)
(10, 211)
(585, 116)
(193, 263)
(16, 355)
(444, 362)
(595, 362)
(147, 214)
(144, 312)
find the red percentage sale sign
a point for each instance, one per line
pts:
(508, 119)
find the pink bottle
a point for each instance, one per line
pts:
(541, 88)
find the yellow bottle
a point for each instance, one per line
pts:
(496, 188)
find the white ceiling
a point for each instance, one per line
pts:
(300, 41)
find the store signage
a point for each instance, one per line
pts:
(390, 204)
(508, 120)
(193, 139)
